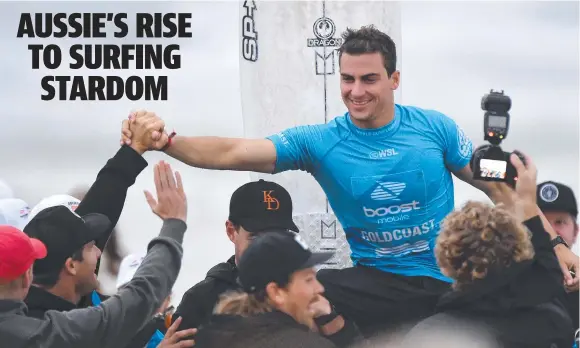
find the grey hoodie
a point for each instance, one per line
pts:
(115, 321)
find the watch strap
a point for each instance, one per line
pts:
(558, 240)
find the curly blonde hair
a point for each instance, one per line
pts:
(477, 237)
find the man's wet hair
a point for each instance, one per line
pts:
(369, 39)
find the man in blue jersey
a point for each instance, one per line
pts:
(385, 168)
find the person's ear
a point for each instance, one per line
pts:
(275, 294)
(70, 266)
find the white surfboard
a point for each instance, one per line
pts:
(290, 76)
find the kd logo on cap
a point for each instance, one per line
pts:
(271, 202)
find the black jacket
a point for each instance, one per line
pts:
(269, 330)
(198, 302)
(108, 193)
(520, 306)
(574, 307)
(39, 301)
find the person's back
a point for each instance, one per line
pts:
(267, 330)
(198, 302)
(505, 280)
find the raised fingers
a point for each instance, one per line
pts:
(165, 174)
(184, 333)
(179, 182)
(170, 177)
(157, 178)
(171, 330)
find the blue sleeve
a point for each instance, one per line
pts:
(296, 148)
(155, 339)
(457, 145)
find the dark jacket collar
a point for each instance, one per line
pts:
(225, 271)
(40, 301)
(492, 292)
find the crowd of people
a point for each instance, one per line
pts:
(495, 275)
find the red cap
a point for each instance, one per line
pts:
(17, 252)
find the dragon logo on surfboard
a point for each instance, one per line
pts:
(325, 46)
(324, 28)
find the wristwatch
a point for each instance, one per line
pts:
(559, 240)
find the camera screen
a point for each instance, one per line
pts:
(497, 121)
(492, 168)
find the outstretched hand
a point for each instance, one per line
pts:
(171, 201)
(521, 200)
(176, 339)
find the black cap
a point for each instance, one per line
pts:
(63, 232)
(554, 196)
(262, 205)
(273, 257)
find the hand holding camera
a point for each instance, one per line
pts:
(521, 200)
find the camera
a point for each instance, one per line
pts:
(489, 162)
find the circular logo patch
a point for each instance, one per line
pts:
(549, 193)
(324, 28)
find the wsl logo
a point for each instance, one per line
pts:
(249, 33)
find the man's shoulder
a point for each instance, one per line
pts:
(412, 112)
(219, 278)
(271, 329)
(338, 124)
(18, 329)
(200, 289)
(198, 302)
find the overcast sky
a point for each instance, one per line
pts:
(453, 53)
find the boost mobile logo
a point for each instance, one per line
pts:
(324, 30)
(391, 210)
(249, 33)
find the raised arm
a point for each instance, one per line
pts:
(526, 190)
(116, 320)
(296, 148)
(108, 193)
(145, 129)
(256, 155)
